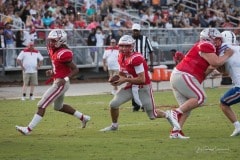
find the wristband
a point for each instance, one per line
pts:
(66, 79)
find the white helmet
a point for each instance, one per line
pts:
(210, 34)
(126, 40)
(229, 37)
(60, 37)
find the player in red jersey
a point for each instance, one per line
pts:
(63, 68)
(133, 72)
(188, 75)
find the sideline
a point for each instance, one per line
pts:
(80, 89)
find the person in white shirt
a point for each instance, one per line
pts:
(29, 60)
(232, 67)
(110, 61)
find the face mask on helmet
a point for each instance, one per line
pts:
(126, 44)
(56, 38)
(228, 37)
(210, 34)
(126, 40)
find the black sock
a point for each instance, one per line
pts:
(24, 94)
(31, 94)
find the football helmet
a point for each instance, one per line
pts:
(126, 44)
(229, 37)
(126, 40)
(210, 34)
(56, 38)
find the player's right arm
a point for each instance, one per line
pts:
(208, 52)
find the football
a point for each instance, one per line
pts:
(114, 78)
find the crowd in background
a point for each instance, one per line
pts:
(48, 14)
(98, 16)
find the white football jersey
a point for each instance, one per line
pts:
(233, 63)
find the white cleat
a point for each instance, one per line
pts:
(85, 120)
(23, 98)
(177, 135)
(236, 132)
(172, 117)
(23, 130)
(110, 128)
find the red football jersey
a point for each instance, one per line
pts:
(127, 65)
(193, 63)
(59, 59)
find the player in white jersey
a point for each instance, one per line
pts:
(232, 67)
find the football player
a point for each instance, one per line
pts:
(63, 68)
(134, 73)
(187, 77)
(232, 67)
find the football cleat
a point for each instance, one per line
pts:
(236, 132)
(23, 98)
(110, 128)
(172, 117)
(178, 134)
(85, 120)
(23, 130)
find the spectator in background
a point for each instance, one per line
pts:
(9, 39)
(39, 26)
(91, 12)
(69, 26)
(57, 24)
(227, 24)
(110, 62)
(25, 11)
(79, 22)
(100, 37)
(109, 37)
(116, 23)
(19, 40)
(29, 35)
(47, 19)
(2, 44)
(119, 34)
(104, 9)
(17, 20)
(195, 21)
(30, 60)
(93, 24)
(128, 22)
(70, 8)
(92, 41)
(156, 48)
(105, 24)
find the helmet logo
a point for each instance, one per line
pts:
(59, 33)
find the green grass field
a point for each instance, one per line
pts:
(60, 137)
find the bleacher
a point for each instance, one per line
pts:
(180, 39)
